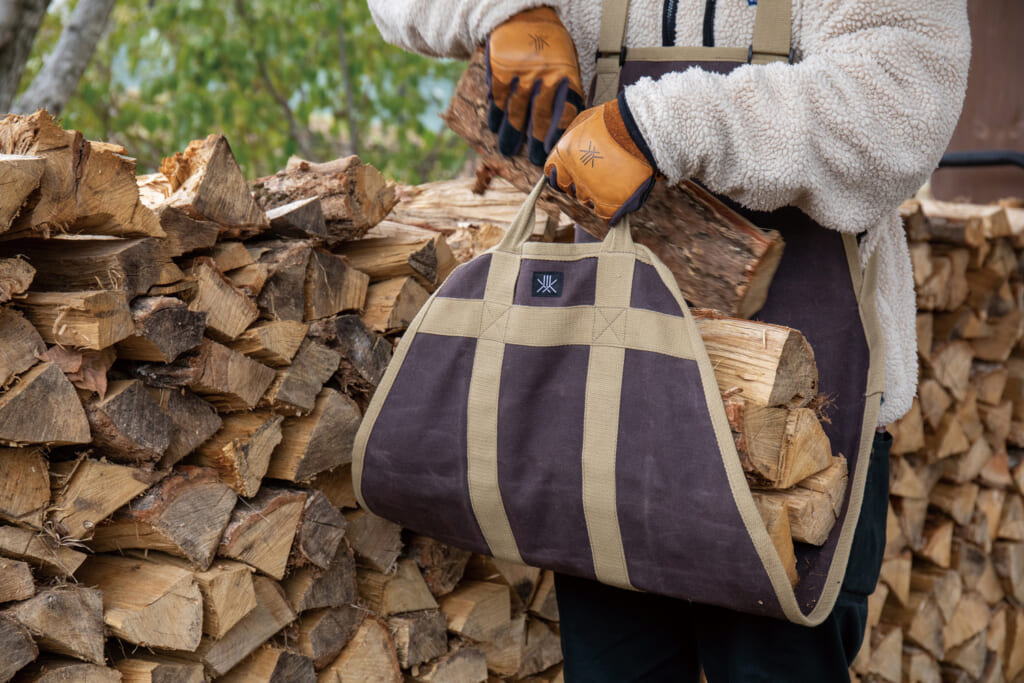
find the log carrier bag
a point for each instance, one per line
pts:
(553, 404)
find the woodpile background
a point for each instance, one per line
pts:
(184, 360)
(949, 605)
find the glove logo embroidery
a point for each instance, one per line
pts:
(548, 284)
(539, 42)
(589, 155)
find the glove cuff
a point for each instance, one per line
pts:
(627, 131)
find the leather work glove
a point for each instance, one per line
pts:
(604, 162)
(533, 77)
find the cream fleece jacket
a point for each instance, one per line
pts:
(846, 133)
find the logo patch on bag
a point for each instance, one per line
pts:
(548, 283)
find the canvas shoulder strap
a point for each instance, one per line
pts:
(772, 41)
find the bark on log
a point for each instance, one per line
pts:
(165, 328)
(129, 425)
(354, 196)
(720, 260)
(16, 275)
(184, 515)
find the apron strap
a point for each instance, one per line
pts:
(772, 42)
(610, 50)
(773, 31)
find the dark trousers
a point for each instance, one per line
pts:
(614, 635)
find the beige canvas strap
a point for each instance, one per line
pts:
(772, 42)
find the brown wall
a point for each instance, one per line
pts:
(993, 115)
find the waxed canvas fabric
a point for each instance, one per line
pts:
(552, 404)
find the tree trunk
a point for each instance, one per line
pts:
(64, 66)
(19, 22)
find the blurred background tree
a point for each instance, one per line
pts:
(308, 78)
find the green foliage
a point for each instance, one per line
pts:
(269, 76)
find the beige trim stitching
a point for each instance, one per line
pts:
(612, 294)
(540, 326)
(866, 294)
(482, 410)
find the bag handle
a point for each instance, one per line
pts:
(521, 228)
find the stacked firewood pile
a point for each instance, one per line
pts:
(948, 607)
(184, 360)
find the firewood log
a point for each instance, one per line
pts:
(477, 609)
(310, 587)
(354, 196)
(271, 614)
(968, 619)
(228, 310)
(896, 573)
(389, 594)
(129, 425)
(295, 388)
(422, 636)
(920, 620)
(51, 669)
(544, 604)
(271, 664)
(226, 587)
(364, 354)
(720, 260)
(148, 668)
(240, 450)
(165, 327)
(148, 602)
(42, 551)
(15, 581)
(429, 260)
(18, 647)
(769, 365)
(376, 542)
(442, 565)
(319, 441)
(194, 421)
(24, 486)
(207, 184)
(87, 491)
(20, 175)
(131, 266)
(283, 295)
(392, 304)
(324, 633)
(16, 275)
(20, 345)
(184, 515)
(369, 655)
(886, 653)
(66, 620)
(272, 343)
(320, 531)
(462, 663)
(303, 218)
(778, 447)
(229, 380)
(521, 580)
(85, 186)
(332, 286)
(261, 530)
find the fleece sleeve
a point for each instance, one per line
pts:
(453, 28)
(845, 134)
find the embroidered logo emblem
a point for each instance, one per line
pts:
(548, 284)
(589, 155)
(539, 42)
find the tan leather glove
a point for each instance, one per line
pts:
(603, 161)
(533, 77)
